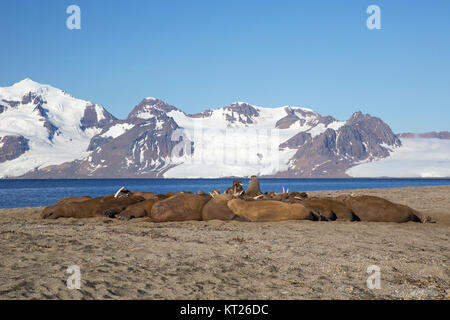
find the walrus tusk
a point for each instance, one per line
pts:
(298, 198)
(118, 192)
(211, 194)
(257, 197)
(283, 189)
(287, 190)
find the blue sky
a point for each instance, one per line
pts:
(204, 54)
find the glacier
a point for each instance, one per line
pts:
(416, 158)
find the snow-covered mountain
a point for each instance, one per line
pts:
(53, 135)
(41, 126)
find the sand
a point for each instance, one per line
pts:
(229, 260)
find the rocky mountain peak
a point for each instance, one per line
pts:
(150, 107)
(358, 116)
(241, 112)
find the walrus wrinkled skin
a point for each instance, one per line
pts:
(180, 207)
(217, 209)
(330, 208)
(72, 199)
(375, 209)
(138, 210)
(145, 195)
(101, 206)
(270, 210)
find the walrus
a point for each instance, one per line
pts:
(253, 189)
(180, 207)
(138, 210)
(100, 206)
(330, 208)
(270, 210)
(375, 209)
(217, 209)
(236, 188)
(49, 209)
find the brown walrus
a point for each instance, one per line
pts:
(375, 209)
(180, 207)
(217, 209)
(236, 188)
(270, 210)
(330, 208)
(100, 206)
(253, 189)
(49, 209)
(138, 210)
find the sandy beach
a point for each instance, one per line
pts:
(230, 260)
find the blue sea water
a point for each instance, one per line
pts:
(26, 193)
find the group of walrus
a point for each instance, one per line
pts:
(234, 204)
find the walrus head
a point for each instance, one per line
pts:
(237, 186)
(118, 192)
(253, 189)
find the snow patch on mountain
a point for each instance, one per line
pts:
(117, 130)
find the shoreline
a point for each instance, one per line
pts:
(369, 191)
(230, 260)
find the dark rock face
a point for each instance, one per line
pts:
(288, 120)
(363, 137)
(241, 112)
(98, 141)
(204, 114)
(5, 104)
(139, 151)
(141, 115)
(298, 114)
(427, 135)
(12, 147)
(297, 141)
(90, 118)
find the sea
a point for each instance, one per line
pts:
(44, 192)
